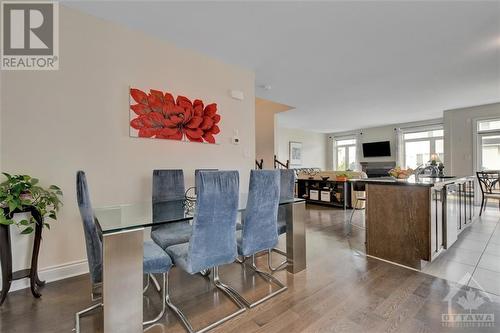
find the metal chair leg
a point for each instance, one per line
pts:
(353, 210)
(98, 305)
(81, 313)
(266, 276)
(281, 266)
(221, 287)
(155, 281)
(147, 284)
(482, 204)
(163, 308)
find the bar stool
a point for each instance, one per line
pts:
(260, 232)
(213, 239)
(358, 188)
(155, 259)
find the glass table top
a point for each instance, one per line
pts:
(145, 214)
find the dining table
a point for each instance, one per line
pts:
(122, 227)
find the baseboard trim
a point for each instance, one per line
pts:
(54, 273)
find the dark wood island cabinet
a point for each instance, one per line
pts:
(409, 222)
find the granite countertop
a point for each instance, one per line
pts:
(411, 181)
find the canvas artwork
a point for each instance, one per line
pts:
(157, 114)
(295, 153)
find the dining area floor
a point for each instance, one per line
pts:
(341, 290)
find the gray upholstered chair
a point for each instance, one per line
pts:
(260, 232)
(213, 240)
(155, 259)
(168, 185)
(287, 187)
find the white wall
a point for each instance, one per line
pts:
(313, 147)
(57, 122)
(265, 126)
(459, 139)
(374, 134)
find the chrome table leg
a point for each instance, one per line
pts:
(296, 237)
(123, 281)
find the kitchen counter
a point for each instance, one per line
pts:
(412, 180)
(407, 221)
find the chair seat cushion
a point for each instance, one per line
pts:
(179, 255)
(170, 234)
(155, 259)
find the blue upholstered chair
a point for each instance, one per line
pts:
(287, 186)
(155, 259)
(213, 240)
(168, 185)
(260, 231)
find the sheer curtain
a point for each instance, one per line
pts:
(359, 150)
(334, 152)
(398, 132)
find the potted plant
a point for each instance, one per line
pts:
(341, 177)
(21, 193)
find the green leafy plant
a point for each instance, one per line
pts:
(21, 193)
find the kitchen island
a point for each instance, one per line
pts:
(409, 222)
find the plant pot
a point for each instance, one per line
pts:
(341, 179)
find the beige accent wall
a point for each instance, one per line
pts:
(57, 122)
(459, 136)
(314, 147)
(265, 128)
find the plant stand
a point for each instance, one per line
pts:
(6, 258)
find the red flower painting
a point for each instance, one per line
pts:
(159, 115)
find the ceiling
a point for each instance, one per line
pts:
(341, 65)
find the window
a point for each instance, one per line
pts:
(420, 146)
(489, 144)
(345, 154)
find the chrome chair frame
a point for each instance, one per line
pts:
(262, 274)
(282, 265)
(355, 207)
(79, 314)
(222, 287)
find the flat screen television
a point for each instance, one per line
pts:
(377, 149)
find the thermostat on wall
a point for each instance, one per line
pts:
(236, 138)
(237, 94)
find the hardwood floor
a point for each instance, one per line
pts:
(340, 291)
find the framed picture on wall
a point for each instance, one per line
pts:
(295, 153)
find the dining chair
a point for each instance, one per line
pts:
(489, 182)
(168, 185)
(260, 230)
(287, 186)
(155, 259)
(213, 240)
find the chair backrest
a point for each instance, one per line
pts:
(93, 241)
(358, 186)
(168, 185)
(260, 230)
(213, 240)
(197, 175)
(287, 183)
(488, 180)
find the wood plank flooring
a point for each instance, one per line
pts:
(341, 291)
